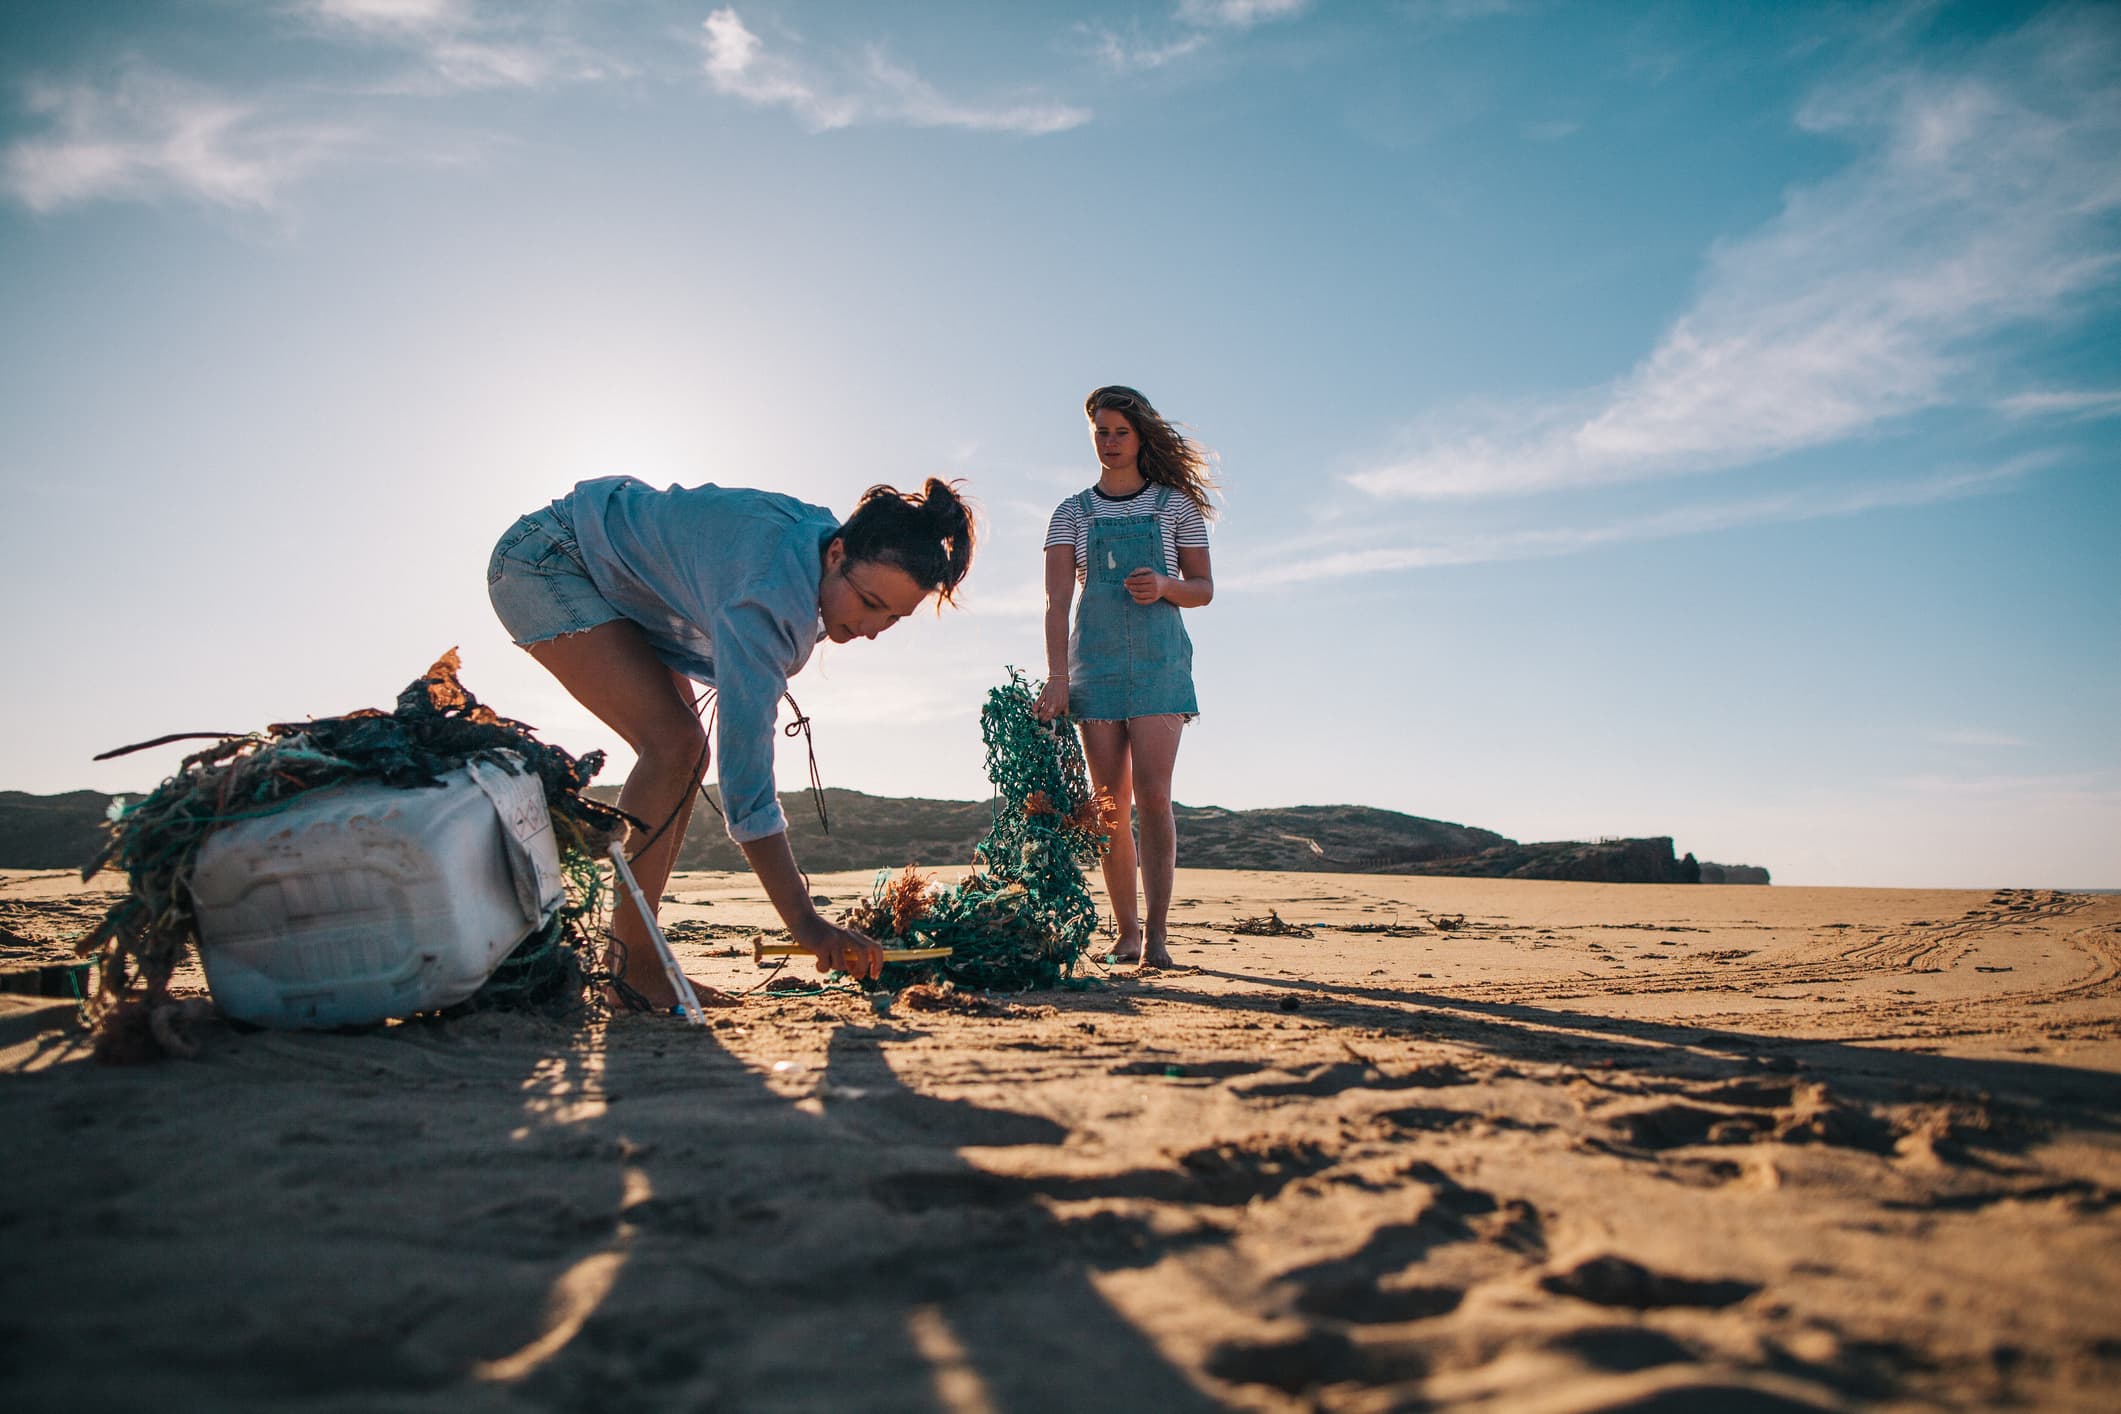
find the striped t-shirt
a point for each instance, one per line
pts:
(1181, 521)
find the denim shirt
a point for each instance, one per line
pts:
(724, 581)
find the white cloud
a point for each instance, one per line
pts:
(472, 65)
(736, 66)
(147, 133)
(1198, 22)
(390, 15)
(1136, 53)
(457, 46)
(1542, 543)
(138, 132)
(907, 97)
(875, 91)
(1238, 14)
(2071, 402)
(1977, 202)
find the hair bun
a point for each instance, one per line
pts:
(928, 533)
(943, 506)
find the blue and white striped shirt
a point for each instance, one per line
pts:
(1181, 522)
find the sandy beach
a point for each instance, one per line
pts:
(1464, 1145)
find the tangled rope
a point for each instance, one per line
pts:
(1024, 915)
(437, 726)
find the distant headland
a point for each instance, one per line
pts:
(884, 832)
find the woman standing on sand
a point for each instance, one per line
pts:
(624, 593)
(1137, 544)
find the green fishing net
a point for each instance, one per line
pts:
(436, 726)
(1024, 915)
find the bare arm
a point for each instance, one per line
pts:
(1060, 594)
(838, 949)
(1194, 586)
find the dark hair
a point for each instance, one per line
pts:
(928, 534)
(1167, 458)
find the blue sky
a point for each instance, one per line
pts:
(1681, 419)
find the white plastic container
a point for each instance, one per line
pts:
(366, 901)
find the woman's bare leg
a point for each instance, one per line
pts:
(1105, 752)
(1152, 743)
(611, 670)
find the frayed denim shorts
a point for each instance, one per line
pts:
(538, 583)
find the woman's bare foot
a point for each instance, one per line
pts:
(1157, 956)
(657, 997)
(1129, 949)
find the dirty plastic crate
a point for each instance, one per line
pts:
(365, 901)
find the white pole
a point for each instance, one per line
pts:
(687, 1002)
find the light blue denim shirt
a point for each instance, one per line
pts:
(724, 581)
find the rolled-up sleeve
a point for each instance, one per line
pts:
(752, 650)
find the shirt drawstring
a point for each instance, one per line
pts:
(817, 785)
(710, 704)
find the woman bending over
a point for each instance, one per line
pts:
(628, 595)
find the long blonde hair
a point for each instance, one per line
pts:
(1168, 457)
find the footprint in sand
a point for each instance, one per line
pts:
(1623, 1349)
(1231, 1175)
(1745, 1111)
(1317, 1357)
(1338, 1076)
(1615, 1281)
(1360, 1301)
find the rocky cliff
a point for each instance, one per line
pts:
(885, 832)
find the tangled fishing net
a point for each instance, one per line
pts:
(437, 726)
(1024, 915)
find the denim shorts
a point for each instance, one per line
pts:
(538, 584)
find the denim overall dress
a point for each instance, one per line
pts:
(1126, 659)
